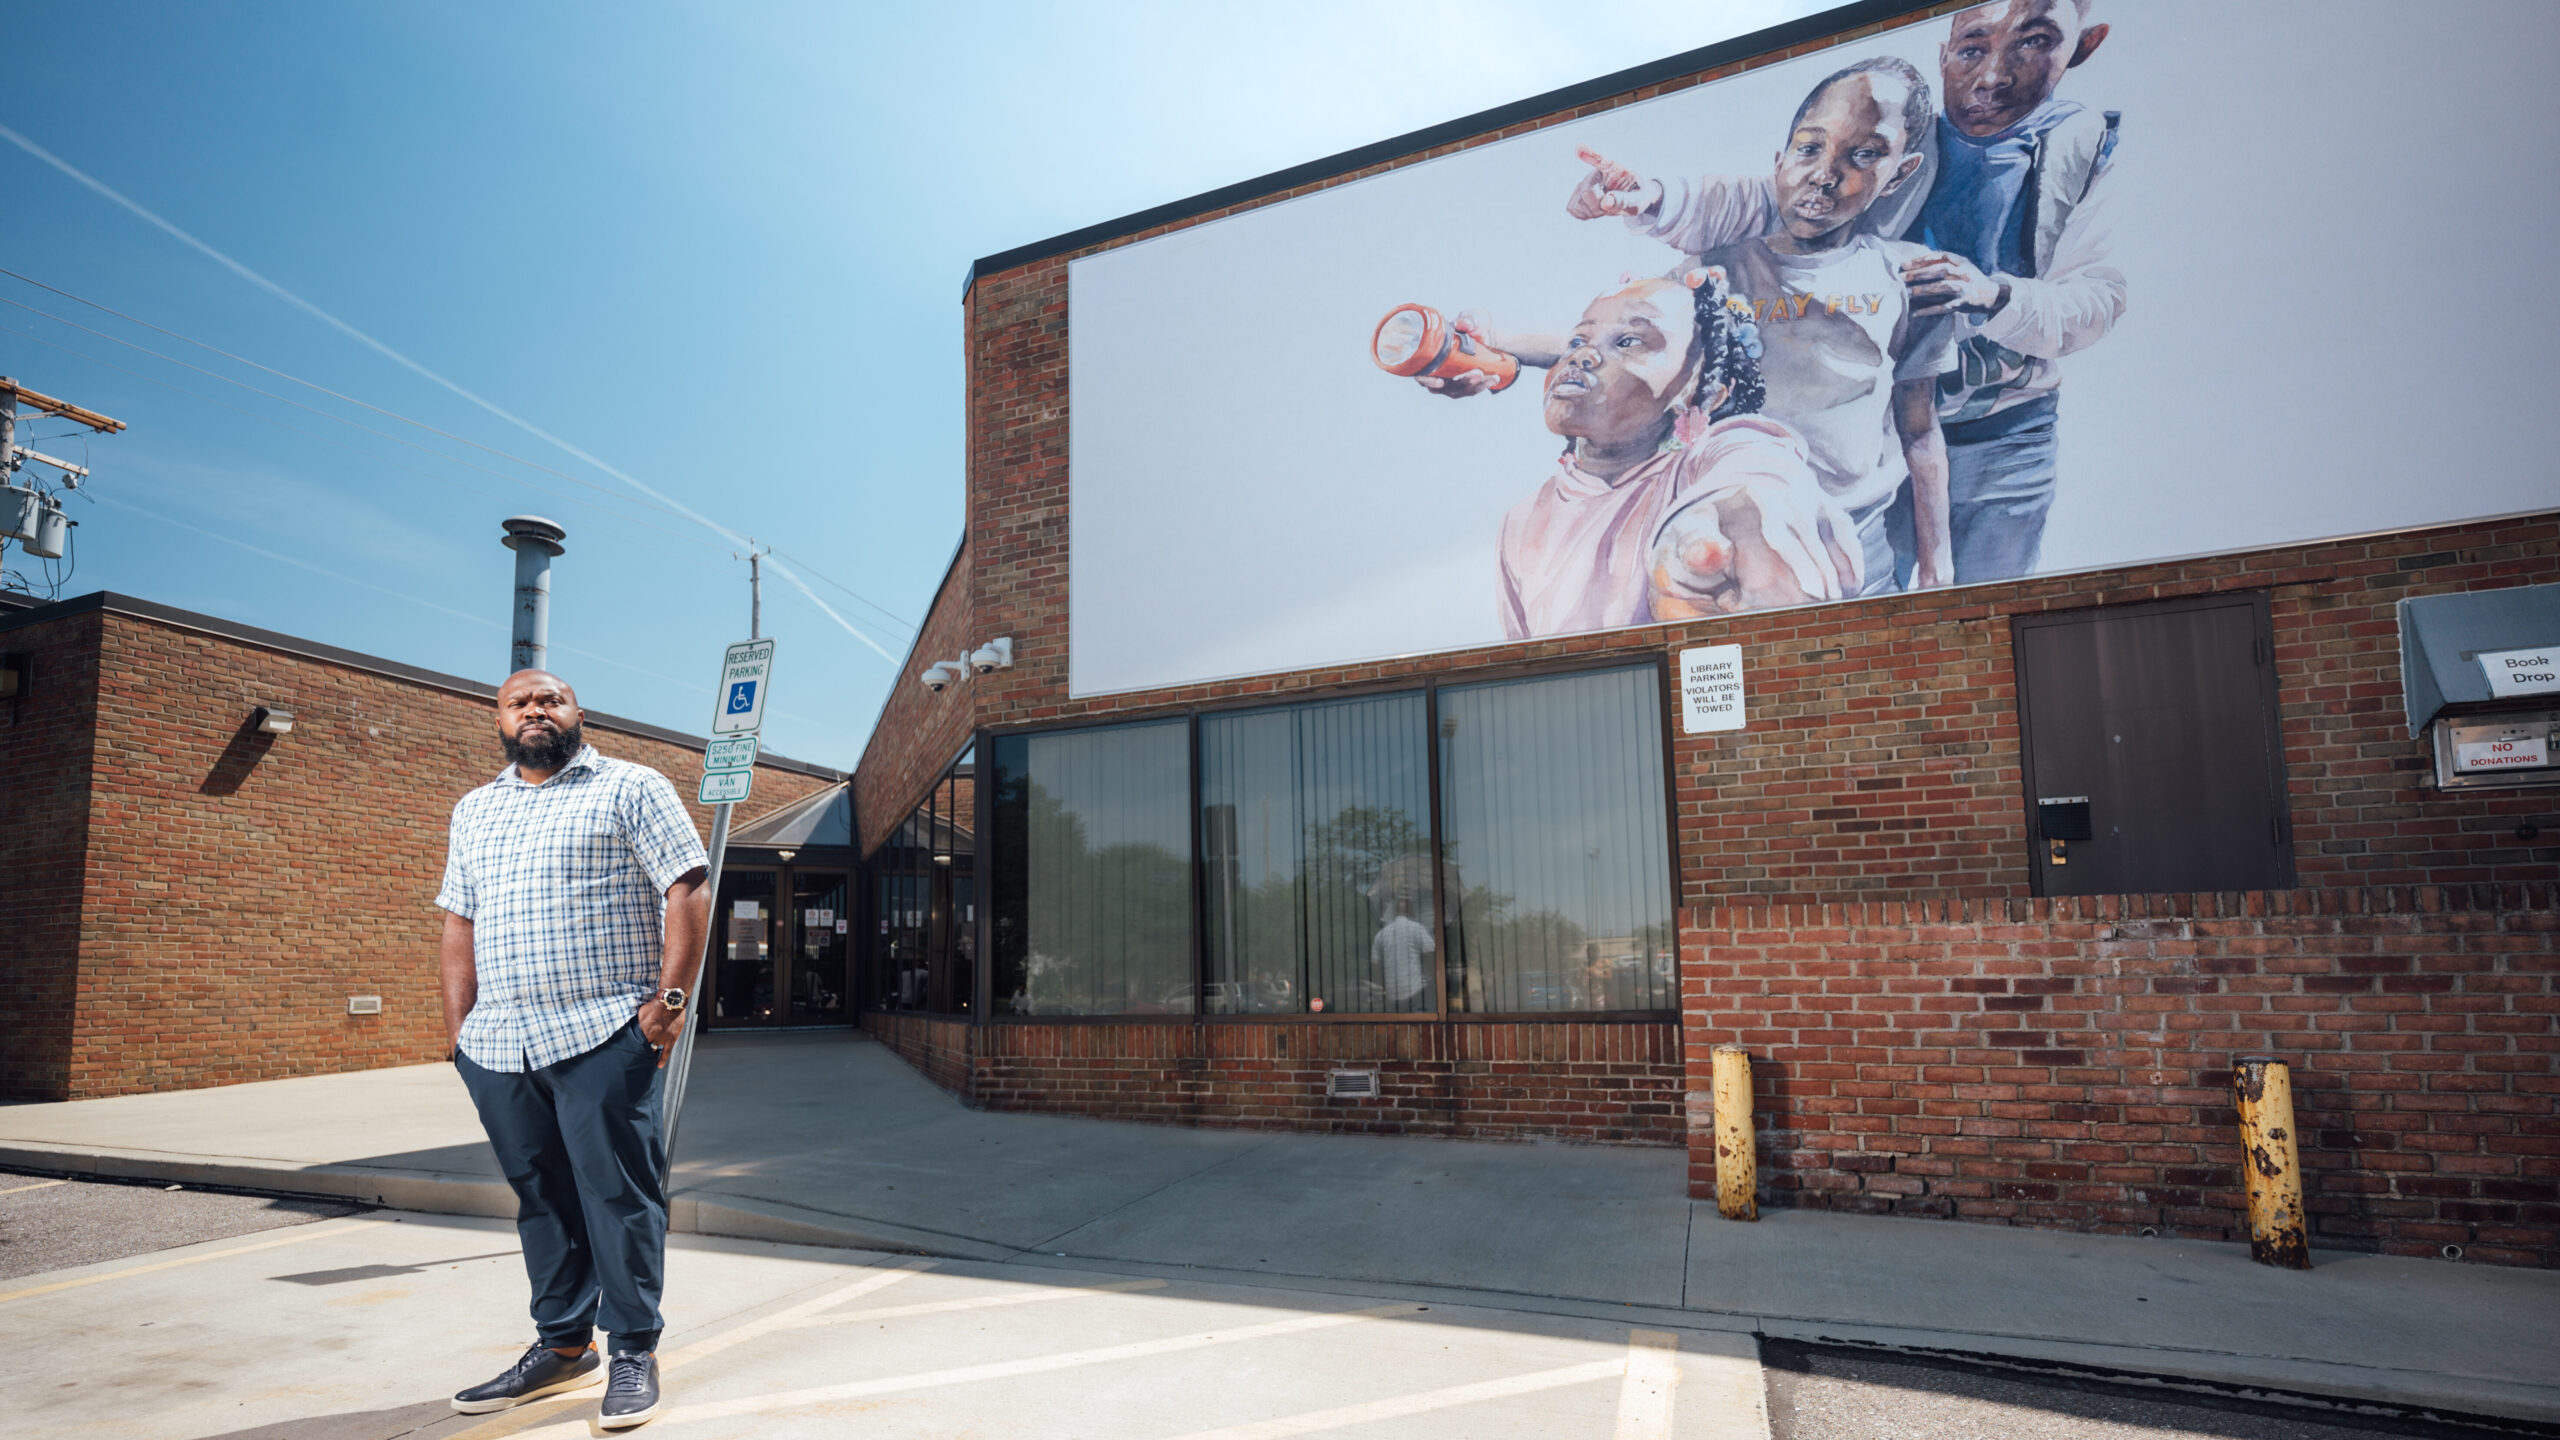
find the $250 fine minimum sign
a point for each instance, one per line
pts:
(1711, 689)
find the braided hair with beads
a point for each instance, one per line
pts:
(1728, 346)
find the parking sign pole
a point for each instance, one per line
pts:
(728, 776)
(680, 1064)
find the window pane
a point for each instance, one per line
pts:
(1558, 858)
(1092, 879)
(1315, 826)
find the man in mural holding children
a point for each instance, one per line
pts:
(2009, 206)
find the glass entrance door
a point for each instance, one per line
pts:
(744, 951)
(822, 940)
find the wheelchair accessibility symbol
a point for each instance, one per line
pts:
(742, 697)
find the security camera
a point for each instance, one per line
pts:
(938, 676)
(993, 656)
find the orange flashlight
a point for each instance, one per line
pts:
(1417, 340)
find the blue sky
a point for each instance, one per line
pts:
(717, 248)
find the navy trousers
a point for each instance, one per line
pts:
(580, 1143)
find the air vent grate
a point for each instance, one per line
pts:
(364, 1004)
(1351, 1085)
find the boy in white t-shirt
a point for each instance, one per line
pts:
(1848, 366)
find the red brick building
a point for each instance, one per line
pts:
(1958, 1003)
(191, 901)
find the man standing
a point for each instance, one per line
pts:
(1400, 949)
(564, 989)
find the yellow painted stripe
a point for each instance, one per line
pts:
(39, 1185)
(1396, 1407)
(1653, 1378)
(301, 1233)
(999, 1370)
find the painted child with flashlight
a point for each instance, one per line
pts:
(1674, 498)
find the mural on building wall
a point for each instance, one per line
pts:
(1802, 336)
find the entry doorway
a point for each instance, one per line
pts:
(2154, 760)
(780, 940)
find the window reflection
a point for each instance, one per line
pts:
(1092, 887)
(1552, 807)
(924, 953)
(1315, 831)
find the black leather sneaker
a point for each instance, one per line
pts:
(631, 1393)
(538, 1372)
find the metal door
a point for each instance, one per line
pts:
(2152, 754)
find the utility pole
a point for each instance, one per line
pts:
(755, 588)
(31, 514)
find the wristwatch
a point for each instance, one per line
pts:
(672, 998)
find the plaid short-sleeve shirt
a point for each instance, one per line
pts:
(565, 885)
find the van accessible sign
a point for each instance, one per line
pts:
(1711, 689)
(2522, 672)
(746, 672)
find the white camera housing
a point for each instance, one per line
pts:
(995, 655)
(938, 676)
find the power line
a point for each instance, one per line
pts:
(383, 589)
(104, 309)
(605, 491)
(398, 358)
(329, 440)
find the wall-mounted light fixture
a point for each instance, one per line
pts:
(272, 721)
(13, 675)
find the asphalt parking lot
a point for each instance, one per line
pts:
(150, 1312)
(47, 1223)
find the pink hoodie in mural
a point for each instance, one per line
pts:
(1577, 555)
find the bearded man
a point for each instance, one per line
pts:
(574, 920)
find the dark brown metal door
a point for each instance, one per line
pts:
(2162, 717)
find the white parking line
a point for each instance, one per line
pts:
(1645, 1396)
(523, 1418)
(1000, 1370)
(39, 1185)
(301, 1233)
(988, 1302)
(1422, 1402)
(797, 1315)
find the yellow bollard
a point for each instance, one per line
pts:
(2270, 1161)
(1737, 1168)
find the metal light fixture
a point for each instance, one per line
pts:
(272, 721)
(13, 676)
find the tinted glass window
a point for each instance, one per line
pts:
(1092, 872)
(1315, 828)
(1557, 861)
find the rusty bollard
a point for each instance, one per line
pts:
(2270, 1161)
(1737, 1169)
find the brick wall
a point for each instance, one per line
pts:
(937, 1047)
(1595, 1081)
(44, 831)
(920, 732)
(237, 888)
(2067, 1062)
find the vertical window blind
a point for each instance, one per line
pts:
(1096, 920)
(1315, 828)
(1554, 835)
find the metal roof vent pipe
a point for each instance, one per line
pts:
(535, 541)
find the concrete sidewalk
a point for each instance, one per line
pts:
(830, 1139)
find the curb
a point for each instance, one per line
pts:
(446, 1192)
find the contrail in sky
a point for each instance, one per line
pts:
(395, 357)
